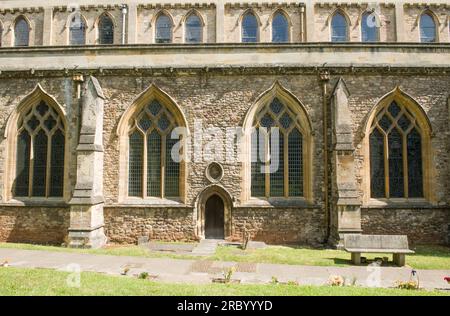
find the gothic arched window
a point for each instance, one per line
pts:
(152, 171)
(280, 28)
(427, 28)
(40, 153)
(276, 153)
(77, 31)
(395, 141)
(369, 27)
(249, 28)
(105, 30)
(163, 29)
(339, 28)
(193, 29)
(21, 32)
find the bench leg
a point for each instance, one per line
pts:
(356, 258)
(399, 259)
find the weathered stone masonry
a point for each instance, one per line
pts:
(222, 99)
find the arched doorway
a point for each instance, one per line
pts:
(214, 218)
(212, 200)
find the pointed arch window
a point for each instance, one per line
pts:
(40, 153)
(152, 171)
(21, 32)
(77, 30)
(339, 28)
(369, 27)
(276, 153)
(396, 169)
(163, 29)
(427, 28)
(194, 29)
(105, 30)
(280, 28)
(249, 28)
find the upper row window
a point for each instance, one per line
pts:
(370, 26)
(77, 30)
(21, 32)
(249, 29)
(427, 28)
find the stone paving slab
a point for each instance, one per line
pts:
(171, 248)
(202, 271)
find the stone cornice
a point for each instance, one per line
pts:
(228, 58)
(204, 71)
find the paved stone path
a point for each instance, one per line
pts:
(206, 247)
(202, 271)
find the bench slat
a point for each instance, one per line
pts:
(366, 250)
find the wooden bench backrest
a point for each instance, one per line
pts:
(376, 241)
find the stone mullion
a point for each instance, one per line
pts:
(30, 161)
(47, 171)
(286, 165)
(163, 165)
(386, 165)
(144, 171)
(405, 165)
(267, 165)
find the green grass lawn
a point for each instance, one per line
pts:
(18, 281)
(426, 257)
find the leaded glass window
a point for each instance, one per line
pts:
(105, 30)
(280, 28)
(369, 27)
(427, 28)
(163, 33)
(249, 28)
(194, 29)
(339, 28)
(276, 153)
(40, 153)
(395, 154)
(153, 171)
(21, 32)
(77, 30)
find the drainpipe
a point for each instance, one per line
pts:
(124, 18)
(302, 28)
(324, 77)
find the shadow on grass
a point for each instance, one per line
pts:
(431, 251)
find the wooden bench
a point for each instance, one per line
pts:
(395, 244)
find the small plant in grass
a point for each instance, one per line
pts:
(227, 274)
(246, 240)
(292, 283)
(274, 280)
(336, 280)
(143, 275)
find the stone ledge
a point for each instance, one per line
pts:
(277, 203)
(214, 56)
(35, 203)
(419, 205)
